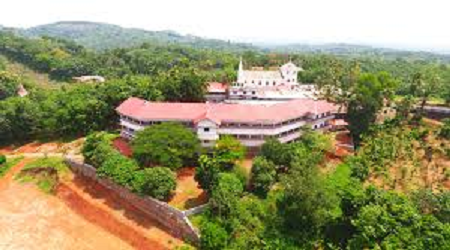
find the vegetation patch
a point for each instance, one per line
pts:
(44, 172)
(7, 164)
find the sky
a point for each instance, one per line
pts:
(413, 24)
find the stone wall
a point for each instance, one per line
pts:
(174, 219)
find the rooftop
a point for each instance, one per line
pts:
(217, 87)
(220, 112)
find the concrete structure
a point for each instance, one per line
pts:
(251, 124)
(89, 79)
(279, 84)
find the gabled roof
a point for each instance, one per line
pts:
(222, 112)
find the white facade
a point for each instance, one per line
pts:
(281, 84)
(250, 134)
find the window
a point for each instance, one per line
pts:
(274, 83)
(289, 80)
(253, 92)
(234, 92)
(206, 129)
(245, 92)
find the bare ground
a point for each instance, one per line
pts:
(30, 219)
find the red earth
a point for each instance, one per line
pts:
(30, 219)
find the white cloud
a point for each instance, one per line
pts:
(413, 23)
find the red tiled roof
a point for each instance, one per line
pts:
(219, 112)
(217, 87)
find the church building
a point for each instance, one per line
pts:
(260, 84)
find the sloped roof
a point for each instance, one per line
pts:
(220, 112)
(217, 87)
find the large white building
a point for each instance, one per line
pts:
(260, 84)
(251, 124)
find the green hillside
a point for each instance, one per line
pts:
(107, 36)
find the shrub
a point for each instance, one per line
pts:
(97, 148)
(359, 167)
(2, 159)
(119, 169)
(167, 144)
(445, 129)
(157, 182)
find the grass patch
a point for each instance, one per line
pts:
(44, 172)
(5, 167)
(340, 177)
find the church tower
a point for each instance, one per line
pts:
(240, 74)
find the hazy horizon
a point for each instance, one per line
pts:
(409, 25)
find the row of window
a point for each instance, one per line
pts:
(231, 124)
(264, 137)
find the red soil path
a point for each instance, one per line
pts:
(109, 211)
(30, 219)
(188, 194)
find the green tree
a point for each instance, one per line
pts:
(213, 236)
(207, 173)
(366, 101)
(225, 195)
(157, 182)
(183, 83)
(167, 144)
(263, 175)
(276, 152)
(97, 148)
(228, 151)
(307, 205)
(9, 84)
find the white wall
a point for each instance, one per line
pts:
(210, 135)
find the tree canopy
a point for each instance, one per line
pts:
(167, 144)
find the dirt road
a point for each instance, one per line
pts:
(30, 219)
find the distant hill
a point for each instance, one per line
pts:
(354, 50)
(102, 36)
